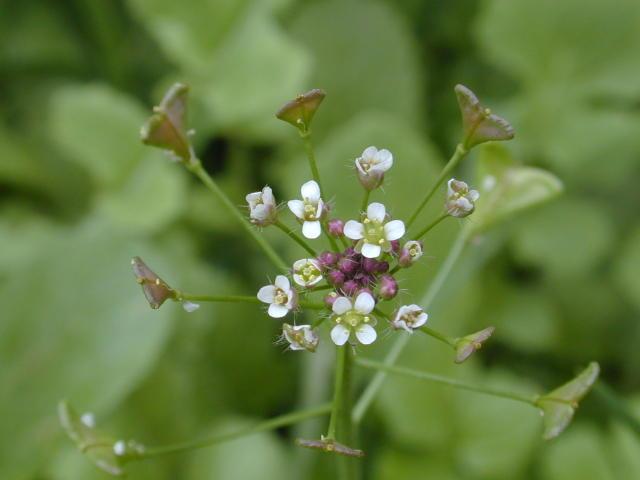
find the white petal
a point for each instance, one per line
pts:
(473, 195)
(310, 191)
(299, 280)
(267, 294)
(311, 229)
(359, 166)
(385, 160)
(314, 281)
(366, 334)
(252, 198)
(267, 196)
(421, 320)
(298, 264)
(277, 311)
(369, 152)
(282, 283)
(340, 334)
(296, 207)
(341, 305)
(190, 306)
(394, 230)
(353, 230)
(364, 303)
(319, 208)
(370, 250)
(376, 211)
(260, 212)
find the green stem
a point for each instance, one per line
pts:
(453, 162)
(426, 229)
(375, 384)
(365, 201)
(337, 410)
(311, 156)
(431, 377)
(241, 299)
(296, 238)
(196, 167)
(439, 336)
(271, 424)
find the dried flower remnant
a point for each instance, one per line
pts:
(469, 344)
(300, 337)
(330, 446)
(156, 290)
(480, 125)
(299, 112)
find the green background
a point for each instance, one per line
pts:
(80, 195)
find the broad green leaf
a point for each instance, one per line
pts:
(628, 266)
(254, 456)
(549, 238)
(76, 326)
(364, 58)
(507, 189)
(138, 188)
(578, 454)
(495, 437)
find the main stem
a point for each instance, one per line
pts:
(271, 424)
(409, 372)
(342, 363)
(311, 156)
(241, 299)
(453, 162)
(196, 167)
(371, 391)
(438, 336)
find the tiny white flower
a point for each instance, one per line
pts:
(354, 318)
(309, 210)
(374, 234)
(460, 200)
(120, 448)
(300, 337)
(409, 317)
(280, 297)
(372, 165)
(307, 272)
(88, 419)
(190, 306)
(262, 207)
(410, 253)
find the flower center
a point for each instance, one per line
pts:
(280, 298)
(412, 317)
(309, 272)
(373, 232)
(309, 210)
(352, 319)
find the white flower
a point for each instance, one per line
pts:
(88, 419)
(280, 297)
(307, 272)
(309, 209)
(262, 207)
(300, 337)
(190, 306)
(410, 253)
(460, 200)
(354, 318)
(120, 448)
(372, 165)
(374, 233)
(409, 317)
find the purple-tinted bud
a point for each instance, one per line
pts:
(395, 246)
(369, 265)
(388, 287)
(330, 298)
(349, 252)
(335, 227)
(382, 267)
(327, 259)
(350, 287)
(335, 277)
(347, 265)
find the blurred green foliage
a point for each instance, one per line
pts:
(79, 196)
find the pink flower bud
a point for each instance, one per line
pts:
(330, 298)
(382, 267)
(347, 265)
(336, 278)
(369, 265)
(388, 287)
(395, 246)
(335, 227)
(327, 259)
(350, 287)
